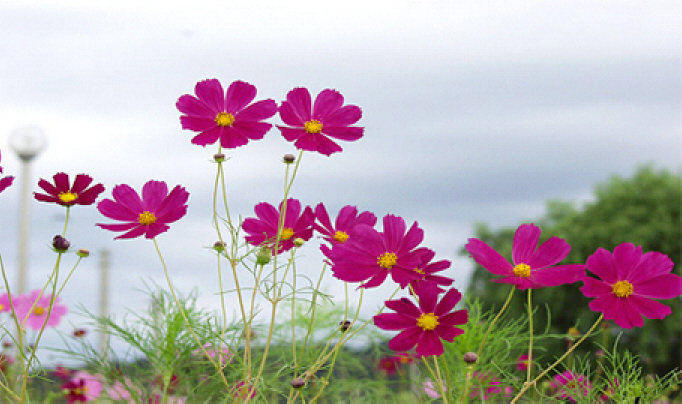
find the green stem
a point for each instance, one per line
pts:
(527, 385)
(529, 369)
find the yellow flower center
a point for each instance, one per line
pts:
(341, 236)
(286, 234)
(622, 289)
(224, 119)
(387, 260)
(146, 218)
(67, 197)
(313, 126)
(38, 311)
(427, 321)
(522, 270)
(404, 359)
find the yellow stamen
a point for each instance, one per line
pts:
(387, 260)
(623, 289)
(341, 236)
(286, 234)
(522, 270)
(38, 311)
(224, 119)
(427, 321)
(67, 197)
(313, 126)
(146, 218)
(419, 271)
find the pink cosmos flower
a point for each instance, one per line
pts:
(426, 325)
(485, 385)
(533, 266)
(626, 283)
(83, 387)
(148, 216)
(391, 364)
(5, 362)
(5, 181)
(4, 303)
(311, 129)
(427, 271)
(224, 354)
(225, 116)
(241, 390)
(263, 230)
(338, 233)
(522, 362)
(65, 194)
(370, 256)
(31, 310)
(431, 389)
(569, 384)
(63, 373)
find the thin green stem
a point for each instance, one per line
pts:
(497, 317)
(526, 386)
(529, 369)
(215, 362)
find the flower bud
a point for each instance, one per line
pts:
(219, 246)
(298, 242)
(298, 382)
(289, 158)
(470, 358)
(60, 244)
(219, 157)
(83, 253)
(263, 256)
(344, 325)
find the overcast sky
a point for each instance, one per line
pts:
(474, 112)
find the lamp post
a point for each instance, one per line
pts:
(27, 141)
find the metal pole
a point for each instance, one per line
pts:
(24, 225)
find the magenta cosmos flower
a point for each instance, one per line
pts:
(31, 310)
(227, 117)
(263, 230)
(533, 266)
(346, 220)
(148, 216)
(427, 271)
(369, 255)
(311, 129)
(626, 283)
(424, 326)
(82, 387)
(65, 194)
(570, 385)
(5, 181)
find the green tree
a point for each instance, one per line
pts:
(644, 210)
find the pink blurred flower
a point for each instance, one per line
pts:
(431, 389)
(426, 325)
(64, 194)
(63, 373)
(241, 390)
(5, 181)
(263, 230)
(370, 256)
(5, 361)
(224, 354)
(311, 129)
(391, 364)
(148, 216)
(31, 310)
(626, 283)
(485, 385)
(534, 267)
(570, 383)
(522, 362)
(4, 303)
(227, 117)
(82, 387)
